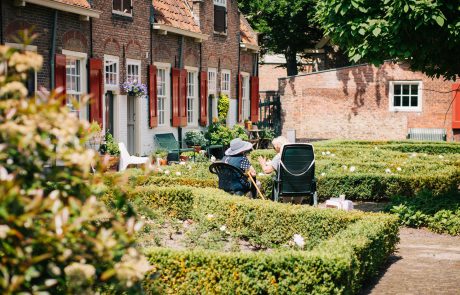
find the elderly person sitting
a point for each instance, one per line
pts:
(273, 165)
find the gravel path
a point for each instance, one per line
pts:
(424, 263)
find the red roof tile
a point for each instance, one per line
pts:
(175, 13)
(248, 35)
(80, 3)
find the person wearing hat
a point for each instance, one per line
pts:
(236, 156)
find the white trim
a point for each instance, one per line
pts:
(220, 3)
(418, 108)
(194, 122)
(135, 62)
(248, 46)
(167, 103)
(164, 29)
(229, 91)
(88, 12)
(80, 55)
(122, 13)
(246, 85)
(112, 87)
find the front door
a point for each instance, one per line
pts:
(231, 117)
(131, 124)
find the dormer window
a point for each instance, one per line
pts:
(220, 16)
(122, 7)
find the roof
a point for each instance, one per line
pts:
(80, 3)
(248, 36)
(80, 7)
(176, 14)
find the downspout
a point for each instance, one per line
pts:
(181, 66)
(238, 116)
(53, 50)
(1, 23)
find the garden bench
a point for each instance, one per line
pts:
(430, 134)
(295, 178)
(168, 142)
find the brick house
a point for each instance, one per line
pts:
(183, 50)
(367, 102)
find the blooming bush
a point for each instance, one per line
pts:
(134, 88)
(55, 236)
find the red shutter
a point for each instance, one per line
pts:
(175, 74)
(60, 74)
(183, 98)
(255, 99)
(95, 89)
(153, 120)
(240, 98)
(203, 98)
(456, 106)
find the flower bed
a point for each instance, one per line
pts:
(342, 249)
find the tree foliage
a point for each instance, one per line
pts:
(424, 33)
(285, 26)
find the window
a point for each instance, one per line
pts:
(212, 90)
(73, 83)
(225, 83)
(133, 70)
(191, 97)
(220, 16)
(161, 95)
(111, 72)
(406, 96)
(122, 7)
(246, 109)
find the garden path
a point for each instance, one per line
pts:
(424, 263)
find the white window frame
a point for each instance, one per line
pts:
(116, 59)
(394, 108)
(82, 57)
(31, 48)
(212, 89)
(122, 12)
(226, 86)
(246, 101)
(221, 3)
(134, 62)
(192, 98)
(166, 98)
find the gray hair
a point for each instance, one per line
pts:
(279, 141)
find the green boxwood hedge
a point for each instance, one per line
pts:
(338, 265)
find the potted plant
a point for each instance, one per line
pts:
(161, 156)
(195, 139)
(185, 156)
(247, 124)
(110, 151)
(134, 88)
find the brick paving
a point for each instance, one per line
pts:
(424, 263)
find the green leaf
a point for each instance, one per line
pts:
(440, 20)
(406, 8)
(376, 31)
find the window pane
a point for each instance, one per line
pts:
(405, 101)
(127, 6)
(414, 89)
(397, 101)
(405, 89)
(397, 89)
(117, 5)
(414, 101)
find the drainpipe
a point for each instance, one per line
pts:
(181, 66)
(237, 81)
(53, 50)
(1, 22)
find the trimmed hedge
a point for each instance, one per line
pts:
(262, 223)
(336, 266)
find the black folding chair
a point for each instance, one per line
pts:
(231, 179)
(295, 179)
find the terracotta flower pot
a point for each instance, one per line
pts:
(197, 148)
(248, 125)
(110, 162)
(163, 162)
(184, 158)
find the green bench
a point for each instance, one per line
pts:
(168, 142)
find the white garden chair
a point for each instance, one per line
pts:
(126, 159)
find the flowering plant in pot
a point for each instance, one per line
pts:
(161, 157)
(196, 139)
(110, 151)
(134, 88)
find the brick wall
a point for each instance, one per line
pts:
(353, 103)
(71, 32)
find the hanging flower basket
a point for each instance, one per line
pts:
(134, 88)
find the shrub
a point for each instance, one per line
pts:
(55, 237)
(335, 266)
(195, 137)
(223, 105)
(109, 146)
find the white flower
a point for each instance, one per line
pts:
(223, 228)
(79, 271)
(413, 155)
(4, 176)
(4, 231)
(376, 148)
(344, 167)
(138, 226)
(398, 168)
(178, 173)
(210, 216)
(323, 153)
(332, 155)
(328, 153)
(323, 174)
(167, 172)
(299, 241)
(387, 170)
(441, 157)
(352, 168)
(182, 163)
(50, 282)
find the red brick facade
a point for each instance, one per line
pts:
(354, 103)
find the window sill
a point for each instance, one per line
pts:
(221, 34)
(405, 110)
(122, 15)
